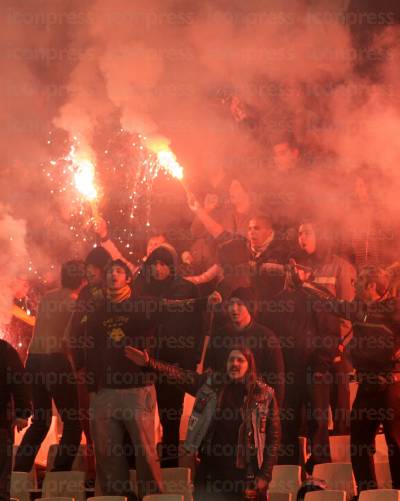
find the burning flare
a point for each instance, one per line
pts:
(168, 161)
(84, 176)
(84, 180)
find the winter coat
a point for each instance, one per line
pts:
(259, 434)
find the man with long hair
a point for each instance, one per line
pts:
(234, 425)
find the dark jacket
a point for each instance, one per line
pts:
(179, 333)
(295, 326)
(260, 413)
(375, 346)
(264, 345)
(242, 267)
(90, 298)
(335, 275)
(14, 389)
(110, 328)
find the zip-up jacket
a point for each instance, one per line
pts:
(243, 267)
(259, 433)
(336, 276)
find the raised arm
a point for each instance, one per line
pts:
(187, 380)
(215, 271)
(209, 223)
(324, 301)
(101, 229)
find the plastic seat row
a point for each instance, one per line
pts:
(153, 497)
(71, 484)
(286, 480)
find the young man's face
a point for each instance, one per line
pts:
(307, 238)
(258, 232)
(285, 157)
(160, 271)
(238, 312)
(236, 365)
(94, 275)
(116, 277)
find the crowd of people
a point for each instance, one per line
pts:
(265, 318)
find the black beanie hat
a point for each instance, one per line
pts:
(166, 254)
(247, 296)
(98, 257)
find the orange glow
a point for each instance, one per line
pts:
(168, 161)
(84, 176)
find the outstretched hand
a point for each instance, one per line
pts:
(100, 227)
(192, 202)
(210, 202)
(214, 298)
(138, 357)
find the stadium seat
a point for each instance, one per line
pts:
(64, 484)
(56, 499)
(325, 496)
(338, 476)
(32, 473)
(163, 497)
(107, 498)
(380, 495)
(175, 481)
(21, 484)
(286, 479)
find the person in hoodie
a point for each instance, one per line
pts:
(328, 379)
(179, 337)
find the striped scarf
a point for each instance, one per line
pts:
(119, 295)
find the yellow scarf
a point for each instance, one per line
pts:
(117, 296)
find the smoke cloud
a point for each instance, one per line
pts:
(12, 243)
(216, 80)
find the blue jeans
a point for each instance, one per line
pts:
(112, 411)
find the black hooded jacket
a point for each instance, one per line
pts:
(180, 334)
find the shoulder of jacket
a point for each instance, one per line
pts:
(264, 330)
(341, 261)
(263, 388)
(186, 287)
